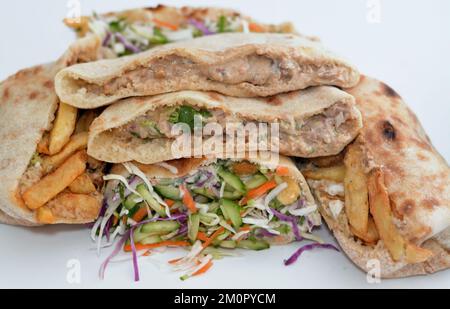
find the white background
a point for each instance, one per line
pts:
(409, 49)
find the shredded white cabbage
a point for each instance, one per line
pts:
(169, 167)
(302, 212)
(122, 180)
(239, 235)
(95, 228)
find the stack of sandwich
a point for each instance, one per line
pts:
(201, 128)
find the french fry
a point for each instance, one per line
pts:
(291, 193)
(45, 216)
(380, 208)
(356, 195)
(51, 185)
(42, 147)
(70, 206)
(85, 121)
(336, 173)
(371, 237)
(77, 142)
(415, 254)
(329, 161)
(63, 128)
(82, 185)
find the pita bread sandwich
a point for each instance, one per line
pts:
(132, 31)
(47, 176)
(249, 202)
(29, 104)
(387, 197)
(319, 121)
(234, 64)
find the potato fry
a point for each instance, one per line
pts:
(63, 128)
(336, 173)
(42, 147)
(75, 207)
(356, 195)
(380, 209)
(416, 254)
(51, 185)
(82, 185)
(372, 235)
(85, 121)
(77, 142)
(329, 161)
(291, 193)
(45, 216)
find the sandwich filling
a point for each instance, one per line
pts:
(297, 135)
(223, 205)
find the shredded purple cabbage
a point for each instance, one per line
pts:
(201, 26)
(127, 44)
(107, 39)
(290, 219)
(129, 234)
(135, 259)
(310, 247)
(115, 252)
(265, 233)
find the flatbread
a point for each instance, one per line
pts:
(28, 104)
(314, 104)
(416, 177)
(234, 64)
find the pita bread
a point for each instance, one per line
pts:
(234, 64)
(28, 104)
(416, 177)
(109, 143)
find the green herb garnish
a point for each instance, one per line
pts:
(222, 24)
(187, 114)
(158, 37)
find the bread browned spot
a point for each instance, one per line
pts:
(407, 207)
(33, 95)
(48, 84)
(389, 132)
(388, 91)
(430, 203)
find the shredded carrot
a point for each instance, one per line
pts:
(115, 221)
(255, 27)
(140, 214)
(216, 234)
(169, 203)
(165, 24)
(140, 247)
(282, 171)
(175, 261)
(202, 236)
(204, 269)
(245, 229)
(148, 253)
(259, 191)
(188, 200)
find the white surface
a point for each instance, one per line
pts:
(408, 49)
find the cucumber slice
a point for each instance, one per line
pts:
(151, 240)
(142, 190)
(205, 192)
(256, 181)
(170, 192)
(160, 228)
(256, 245)
(231, 211)
(236, 195)
(214, 207)
(193, 225)
(232, 179)
(228, 244)
(131, 201)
